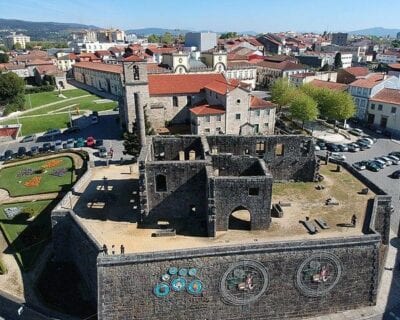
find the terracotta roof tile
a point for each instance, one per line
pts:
(329, 85)
(222, 86)
(369, 82)
(258, 103)
(205, 109)
(134, 58)
(387, 96)
(106, 67)
(165, 84)
(357, 71)
(395, 66)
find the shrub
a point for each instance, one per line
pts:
(3, 269)
(44, 88)
(29, 212)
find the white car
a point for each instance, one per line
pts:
(317, 147)
(394, 159)
(337, 156)
(356, 132)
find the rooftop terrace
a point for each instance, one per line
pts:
(107, 208)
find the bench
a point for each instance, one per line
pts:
(277, 211)
(322, 223)
(284, 204)
(310, 227)
(164, 233)
(331, 202)
(364, 191)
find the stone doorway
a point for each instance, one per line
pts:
(240, 219)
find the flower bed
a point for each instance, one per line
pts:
(25, 172)
(33, 182)
(60, 172)
(52, 163)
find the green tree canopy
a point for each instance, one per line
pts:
(167, 38)
(17, 46)
(228, 35)
(3, 48)
(282, 92)
(12, 92)
(153, 38)
(4, 58)
(303, 108)
(338, 61)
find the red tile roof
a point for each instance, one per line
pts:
(102, 53)
(302, 75)
(258, 103)
(391, 96)
(153, 50)
(369, 82)
(357, 71)
(47, 69)
(134, 58)
(395, 66)
(234, 56)
(283, 66)
(38, 62)
(222, 86)
(106, 67)
(166, 84)
(205, 109)
(329, 85)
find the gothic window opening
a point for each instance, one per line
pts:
(279, 149)
(161, 183)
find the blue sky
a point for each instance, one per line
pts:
(216, 15)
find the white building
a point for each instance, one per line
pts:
(14, 38)
(388, 57)
(347, 59)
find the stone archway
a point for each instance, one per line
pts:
(240, 219)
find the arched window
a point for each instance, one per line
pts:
(161, 183)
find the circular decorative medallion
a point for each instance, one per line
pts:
(173, 270)
(244, 282)
(178, 284)
(183, 272)
(161, 289)
(220, 58)
(195, 287)
(192, 272)
(165, 277)
(180, 60)
(318, 274)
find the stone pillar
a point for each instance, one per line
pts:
(140, 121)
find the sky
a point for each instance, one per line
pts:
(215, 15)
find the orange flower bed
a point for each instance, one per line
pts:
(52, 163)
(33, 182)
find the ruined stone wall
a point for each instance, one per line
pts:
(283, 281)
(171, 146)
(297, 161)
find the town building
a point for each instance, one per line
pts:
(394, 69)
(203, 41)
(388, 57)
(272, 43)
(66, 61)
(15, 38)
(339, 38)
(300, 79)
(316, 59)
(351, 74)
(384, 111)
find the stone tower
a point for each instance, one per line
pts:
(136, 94)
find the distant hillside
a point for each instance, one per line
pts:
(378, 32)
(41, 30)
(156, 31)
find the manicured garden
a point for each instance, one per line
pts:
(39, 99)
(27, 228)
(45, 176)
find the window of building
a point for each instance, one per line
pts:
(257, 113)
(237, 116)
(207, 118)
(161, 183)
(279, 149)
(256, 128)
(207, 130)
(254, 191)
(373, 106)
(218, 118)
(266, 125)
(393, 109)
(380, 107)
(189, 100)
(238, 101)
(260, 147)
(175, 101)
(218, 130)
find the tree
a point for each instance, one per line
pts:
(326, 67)
(228, 35)
(338, 61)
(3, 48)
(12, 92)
(282, 92)
(17, 46)
(303, 108)
(153, 38)
(167, 38)
(344, 106)
(396, 43)
(132, 143)
(4, 58)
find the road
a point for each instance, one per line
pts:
(107, 129)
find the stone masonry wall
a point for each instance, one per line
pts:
(127, 283)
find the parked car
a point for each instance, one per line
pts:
(80, 142)
(34, 150)
(72, 129)
(21, 152)
(46, 147)
(377, 163)
(58, 145)
(321, 145)
(363, 145)
(395, 160)
(8, 155)
(90, 142)
(317, 147)
(381, 161)
(353, 147)
(395, 153)
(360, 165)
(373, 139)
(373, 166)
(332, 147)
(99, 142)
(70, 143)
(395, 174)
(29, 138)
(389, 161)
(102, 152)
(356, 132)
(366, 140)
(343, 147)
(52, 133)
(337, 156)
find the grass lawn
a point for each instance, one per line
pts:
(39, 124)
(41, 98)
(21, 185)
(27, 238)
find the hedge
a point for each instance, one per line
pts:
(44, 88)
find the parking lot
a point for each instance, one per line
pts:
(106, 129)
